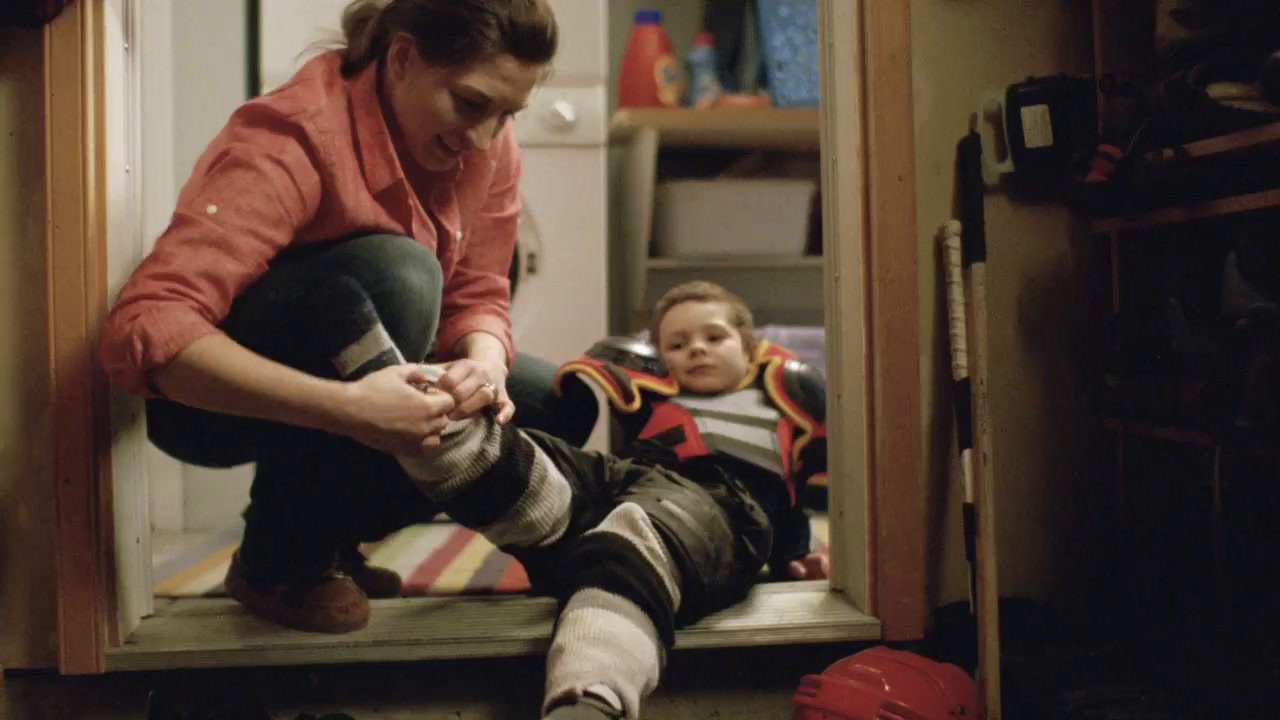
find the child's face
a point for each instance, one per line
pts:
(702, 348)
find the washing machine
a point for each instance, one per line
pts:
(559, 284)
(559, 271)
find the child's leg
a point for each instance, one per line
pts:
(627, 548)
(496, 480)
(615, 628)
(668, 554)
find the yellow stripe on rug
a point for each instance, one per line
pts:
(454, 579)
(201, 577)
(405, 551)
(821, 530)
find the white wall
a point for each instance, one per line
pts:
(129, 446)
(210, 56)
(209, 71)
(1036, 286)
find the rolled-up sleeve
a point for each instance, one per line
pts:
(250, 192)
(477, 295)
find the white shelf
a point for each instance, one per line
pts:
(743, 128)
(736, 262)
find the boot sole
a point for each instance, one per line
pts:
(338, 619)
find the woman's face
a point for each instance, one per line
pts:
(437, 114)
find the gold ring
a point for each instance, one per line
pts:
(493, 389)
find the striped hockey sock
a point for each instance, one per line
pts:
(492, 479)
(354, 340)
(606, 646)
(495, 480)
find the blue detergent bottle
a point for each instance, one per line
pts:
(704, 72)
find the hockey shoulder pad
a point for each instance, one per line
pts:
(624, 369)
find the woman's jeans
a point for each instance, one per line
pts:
(315, 494)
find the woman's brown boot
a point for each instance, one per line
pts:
(331, 604)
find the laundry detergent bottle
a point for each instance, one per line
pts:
(650, 75)
(704, 71)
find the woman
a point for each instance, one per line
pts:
(379, 183)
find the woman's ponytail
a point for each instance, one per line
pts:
(449, 32)
(365, 33)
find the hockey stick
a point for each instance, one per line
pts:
(974, 252)
(958, 333)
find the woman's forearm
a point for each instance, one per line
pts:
(216, 373)
(482, 346)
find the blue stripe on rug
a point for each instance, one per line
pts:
(196, 553)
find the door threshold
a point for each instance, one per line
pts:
(218, 632)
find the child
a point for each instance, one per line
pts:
(710, 404)
(720, 432)
(631, 548)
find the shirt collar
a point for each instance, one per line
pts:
(378, 157)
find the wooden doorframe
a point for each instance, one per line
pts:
(76, 167)
(897, 486)
(873, 283)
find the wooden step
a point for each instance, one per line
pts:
(209, 632)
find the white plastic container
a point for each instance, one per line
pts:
(732, 217)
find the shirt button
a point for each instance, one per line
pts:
(457, 236)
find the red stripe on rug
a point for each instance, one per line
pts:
(420, 581)
(486, 577)
(514, 579)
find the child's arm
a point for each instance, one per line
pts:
(792, 546)
(812, 462)
(793, 557)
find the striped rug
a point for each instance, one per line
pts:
(439, 558)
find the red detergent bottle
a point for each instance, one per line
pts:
(650, 75)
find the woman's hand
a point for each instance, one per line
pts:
(814, 566)
(386, 411)
(476, 385)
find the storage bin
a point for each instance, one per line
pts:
(788, 32)
(732, 217)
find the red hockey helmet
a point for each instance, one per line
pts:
(885, 684)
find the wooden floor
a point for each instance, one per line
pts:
(737, 684)
(210, 633)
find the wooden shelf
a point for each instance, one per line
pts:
(1209, 208)
(1184, 436)
(1172, 434)
(753, 128)
(1243, 140)
(735, 262)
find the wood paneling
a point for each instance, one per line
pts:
(77, 301)
(897, 498)
(29, 633)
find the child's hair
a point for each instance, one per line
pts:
(702, 291)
